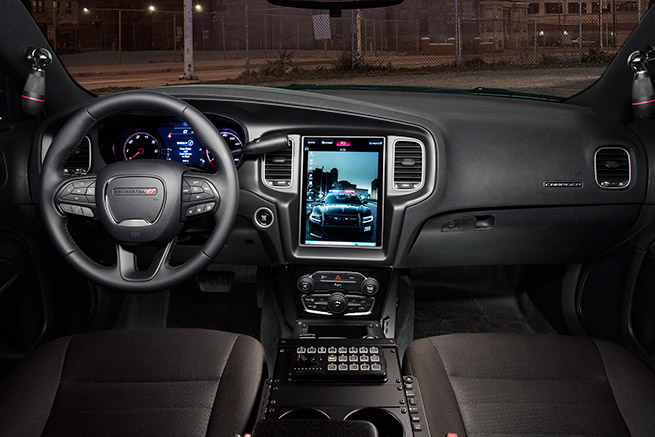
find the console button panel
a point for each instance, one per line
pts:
(355, 305)
(337, 361)
(337, 293)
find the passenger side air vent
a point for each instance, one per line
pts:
(79, 161)
(407, 165)
(278, 168)
(613, 169)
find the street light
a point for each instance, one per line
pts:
(199, 8)
(151, 8)
(86, 10)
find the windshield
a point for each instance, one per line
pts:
(545, 47)
(346, 199)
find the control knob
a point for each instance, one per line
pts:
(337, 303)
(306, 284)
(370, 286)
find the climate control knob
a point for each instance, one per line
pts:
(306, 284)
(337, 303)
(370, 286)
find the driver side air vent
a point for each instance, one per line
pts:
(407, 165)
(612, 166)
(278, 168)
(79, 161)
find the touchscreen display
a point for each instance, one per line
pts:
(342, 186)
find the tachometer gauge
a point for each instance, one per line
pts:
(141, 145)
(233, 142)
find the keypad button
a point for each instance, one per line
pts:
(353, 349)
(375, 358)
(364, 367)
(363, 350)
(321, 350)
(332, 367)
(376, 367)
(343, 358)
(301, 350)
(332, 350)
(311, 350)
(343, 350)
(373, 350)
(332, 358)
(353, 358)
(354, 367)
(343, 366)
(363, 358)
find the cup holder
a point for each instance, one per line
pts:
(386, 423)
(305, 413)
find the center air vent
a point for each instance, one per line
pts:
(407, 165)
(612, 167)
(79, 161)
(278, 168)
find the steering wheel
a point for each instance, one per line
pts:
(139, 202)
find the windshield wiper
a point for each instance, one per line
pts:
(479, 91)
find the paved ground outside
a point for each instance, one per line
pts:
(100, 70)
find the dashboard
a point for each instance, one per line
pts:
(380, 179)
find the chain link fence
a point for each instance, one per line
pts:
(418, 34)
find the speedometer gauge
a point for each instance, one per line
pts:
(233, 142)
(141, 145)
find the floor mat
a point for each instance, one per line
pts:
(492, 314)
(474, 299)
(235, 311)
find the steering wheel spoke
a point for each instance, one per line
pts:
(200, 197)
(76, 196)
(127, 262)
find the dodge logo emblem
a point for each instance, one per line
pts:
(135, 191)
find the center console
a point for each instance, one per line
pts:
(336, 380)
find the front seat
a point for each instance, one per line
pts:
(161, 382)
(521, 384)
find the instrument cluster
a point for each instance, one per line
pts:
(130, 137)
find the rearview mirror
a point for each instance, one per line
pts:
(335, 5)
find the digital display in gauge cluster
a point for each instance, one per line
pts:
(182, 145)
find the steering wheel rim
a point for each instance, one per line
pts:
(121, 276)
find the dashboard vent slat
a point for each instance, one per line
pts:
(407, 165)
(78, 162)
(278, 168)
(613, 168)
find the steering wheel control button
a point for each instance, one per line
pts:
(370, 286)
(82, 184)
(264, 217)
(306, 284)
(68, 209)
(200, 209)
